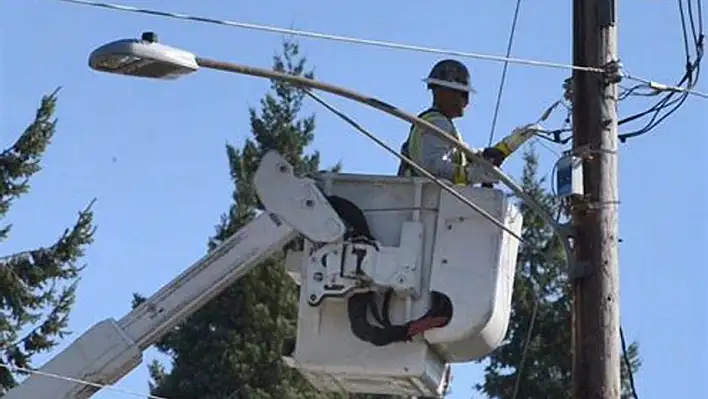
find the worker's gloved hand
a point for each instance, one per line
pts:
(493, 155)
(476, 173)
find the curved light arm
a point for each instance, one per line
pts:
(391, 110)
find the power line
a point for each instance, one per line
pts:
(628, 364)
(325, 36)
(375, 43)
(689, 78)
(529, 335)
(661, 87)
(83, 382)
(503, 75)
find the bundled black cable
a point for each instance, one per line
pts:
(673, 99)
(386, 333)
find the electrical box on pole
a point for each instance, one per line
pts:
(569, 176)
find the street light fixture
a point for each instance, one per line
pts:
(147, 58)
(144, 57)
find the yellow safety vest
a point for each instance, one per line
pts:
(411, 148)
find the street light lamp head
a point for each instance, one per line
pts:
(145, 58)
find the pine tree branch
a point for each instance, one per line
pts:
(31, 297)
(35, 266)
(30, 282)
(55, 323)
(20, 161)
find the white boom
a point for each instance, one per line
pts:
(111, 349)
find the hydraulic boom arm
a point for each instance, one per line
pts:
(111, 349)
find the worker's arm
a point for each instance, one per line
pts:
(433, 153)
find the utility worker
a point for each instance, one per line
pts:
(449, 81)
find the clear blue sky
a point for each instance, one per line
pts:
(153, 152)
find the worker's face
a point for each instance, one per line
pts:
(453, 101)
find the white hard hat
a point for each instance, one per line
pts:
(451, 74)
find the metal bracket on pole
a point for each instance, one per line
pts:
(613, 72)
(576, 270)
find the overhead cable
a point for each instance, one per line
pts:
(661, 87)
(325, 36)
(628, 364)
(80, 381)
(673, 96)
(504, 70)
(355, 40)
(527, 344)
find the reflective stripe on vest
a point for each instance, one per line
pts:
(413, 148)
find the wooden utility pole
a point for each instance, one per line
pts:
(596, 349)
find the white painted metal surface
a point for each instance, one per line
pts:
(462, 255)
(474, 263)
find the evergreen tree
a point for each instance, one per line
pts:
(231, 348)
(541, 286)
(38, 285)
